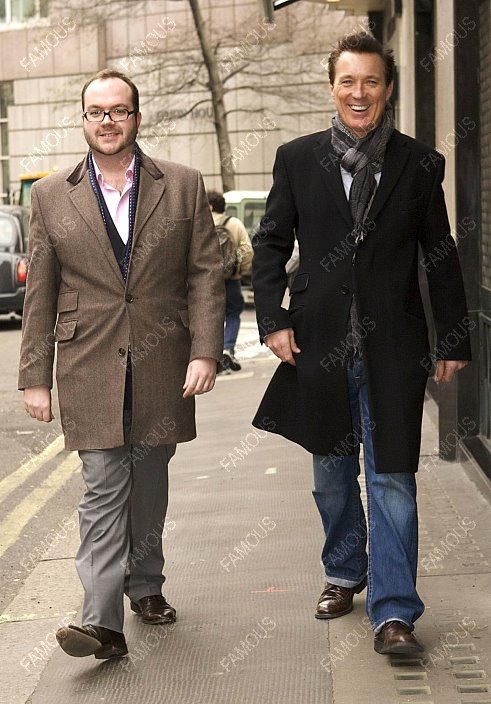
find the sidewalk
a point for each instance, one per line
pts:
(243, 542)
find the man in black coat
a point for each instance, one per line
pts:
(360, 198)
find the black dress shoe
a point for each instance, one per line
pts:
(396, 638)
(337, 601)
(154, 609)
(91, 640)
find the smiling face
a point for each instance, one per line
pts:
(359, 91)
(110, 137)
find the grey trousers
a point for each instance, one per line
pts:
(121, 517)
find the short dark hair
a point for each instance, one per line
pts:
(217, 201)
(110, 73)
(361, 43)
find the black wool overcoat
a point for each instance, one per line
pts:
(308, 403)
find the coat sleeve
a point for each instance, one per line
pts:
(444, 274)
(206, 287)
(39, 317)
(273, 246)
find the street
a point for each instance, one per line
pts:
(242, 542)
(35, 503)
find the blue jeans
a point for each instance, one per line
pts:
(392, 533)
(233, 308)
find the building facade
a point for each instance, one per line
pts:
(273, 75)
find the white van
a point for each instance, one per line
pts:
(248, 206)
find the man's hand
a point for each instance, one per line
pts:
(445, 369)
(37, 402)
(282, 344)
(200, 376)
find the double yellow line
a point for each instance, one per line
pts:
(12, 525)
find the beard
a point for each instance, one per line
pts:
(110, 149)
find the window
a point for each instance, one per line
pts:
(21, 10)
(253, 213)
(7, 233)
(6, 99)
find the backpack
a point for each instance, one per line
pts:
(230, 254)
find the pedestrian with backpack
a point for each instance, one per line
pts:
(236, 248)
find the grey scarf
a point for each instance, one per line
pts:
(362, 158)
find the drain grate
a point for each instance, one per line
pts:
(405, 662)
(470, 674)
(411, 676)
(413, 690)
(464, 659)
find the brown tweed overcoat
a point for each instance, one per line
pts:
(170, 311)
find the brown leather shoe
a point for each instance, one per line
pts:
(337, 601)
(154, 609)
(396, 638)
(91, 640)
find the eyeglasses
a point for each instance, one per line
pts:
(116, 115)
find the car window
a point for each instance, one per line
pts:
(253, 213)
(8, 232)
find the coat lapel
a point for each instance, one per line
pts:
(152, 187)
(327, 164)
(396, 156)
(83, 198)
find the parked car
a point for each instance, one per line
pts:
(248, 206)
(14, 229)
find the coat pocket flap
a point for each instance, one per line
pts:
(184, 315)
(300, 283)
(65, 330)
(67, 301)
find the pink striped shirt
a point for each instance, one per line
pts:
(117, 203)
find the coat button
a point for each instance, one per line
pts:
(129, 298)
(122, 352)
(345, 290)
